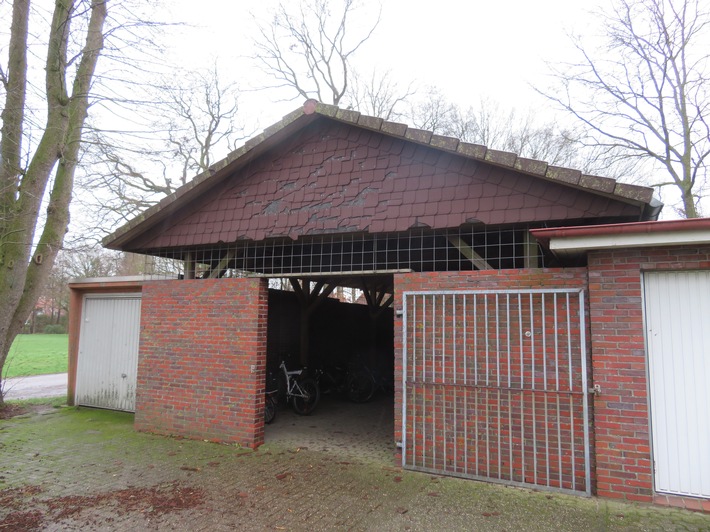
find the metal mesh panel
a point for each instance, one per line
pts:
(416, 250)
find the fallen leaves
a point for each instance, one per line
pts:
(152, 502)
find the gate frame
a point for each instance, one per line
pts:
(585, 387)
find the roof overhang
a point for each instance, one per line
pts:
(576, 240)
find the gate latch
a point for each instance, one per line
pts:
(596, 390)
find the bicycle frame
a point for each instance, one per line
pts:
(292, 387)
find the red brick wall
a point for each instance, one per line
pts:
(202, 359)
(623, 448)
(439, 437)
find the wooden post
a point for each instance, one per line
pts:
(309, 300)
(189, 266)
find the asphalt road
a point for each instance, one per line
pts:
(36, 386)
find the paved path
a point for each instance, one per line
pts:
(87, 469)
(36, 386)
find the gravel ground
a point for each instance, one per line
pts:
(85, 469)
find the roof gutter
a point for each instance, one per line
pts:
(638, 234)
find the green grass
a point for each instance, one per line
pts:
(37, 354)
(54, 402)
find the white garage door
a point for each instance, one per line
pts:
(678, 342)
(108, 351)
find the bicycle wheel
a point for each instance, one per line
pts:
(311, 395)
(269, 409)
(361, 387)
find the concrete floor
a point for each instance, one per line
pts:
(360, 431)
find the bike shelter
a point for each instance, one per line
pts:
(481, 327)
(328, 325)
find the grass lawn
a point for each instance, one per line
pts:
(37, 354)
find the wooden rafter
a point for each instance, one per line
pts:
(468, 252)
(218, 271)
(375, 297)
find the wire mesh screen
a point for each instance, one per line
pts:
(416, 250)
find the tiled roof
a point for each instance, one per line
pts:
(323, 169)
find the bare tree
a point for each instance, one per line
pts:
(522, 133)
(646, 92)
(308, 47)
(434, 112)
(75, 40)
(197, 119)
(379, 95)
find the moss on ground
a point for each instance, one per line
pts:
(56, 452)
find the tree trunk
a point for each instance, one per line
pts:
(25, 268)
(689, 208)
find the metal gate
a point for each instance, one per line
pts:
(108, 351)
(495, 387)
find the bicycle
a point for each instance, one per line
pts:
(360, 384)
(357, 382)
(270, 404)
(301, 390)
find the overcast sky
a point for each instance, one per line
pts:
(468, 48)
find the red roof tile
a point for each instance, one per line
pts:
(346, 171)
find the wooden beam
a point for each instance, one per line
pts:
(296, 284)
(321, 296)
(468, 252)
(375, 297)
(532, 258)
(189, 266)
(219, 270)
(310, 299)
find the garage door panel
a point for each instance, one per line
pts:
(495, 387)
(108, 352)
(677, 306)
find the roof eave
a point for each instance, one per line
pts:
(573, 240)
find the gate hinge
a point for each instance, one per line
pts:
(596, 390)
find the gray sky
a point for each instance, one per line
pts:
(469, 49)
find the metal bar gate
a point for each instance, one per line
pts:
(495, 387)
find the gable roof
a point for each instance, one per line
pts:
(206, 205)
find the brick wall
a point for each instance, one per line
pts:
(202, 359)
(435, 407)
(624, 467)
